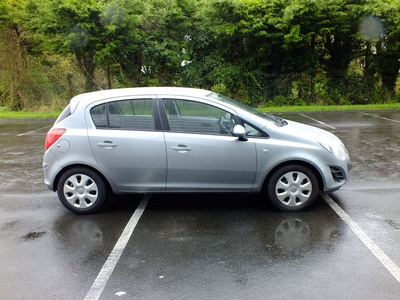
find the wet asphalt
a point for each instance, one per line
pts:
(206, 246)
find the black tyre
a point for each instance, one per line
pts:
(81, 191)
(292, 188)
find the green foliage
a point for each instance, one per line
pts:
(280, 52)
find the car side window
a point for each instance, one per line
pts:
(99, 116)
(124, 114)
(194, 117)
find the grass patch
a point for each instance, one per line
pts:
(25, 114)
(329, 108)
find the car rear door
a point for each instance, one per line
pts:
(128, 144)
(201, 152)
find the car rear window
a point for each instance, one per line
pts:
(125, 114)
(65, 113)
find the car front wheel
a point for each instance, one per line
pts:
(81, 191)
(292, 188)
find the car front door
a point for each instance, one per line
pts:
(126, 145)
(202, 154)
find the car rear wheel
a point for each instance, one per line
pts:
(292, 188)
(82, 191)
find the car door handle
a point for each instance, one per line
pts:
(107, 144)
(181, 148)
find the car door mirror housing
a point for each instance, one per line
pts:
(240, 132)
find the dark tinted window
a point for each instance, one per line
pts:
(124, 114)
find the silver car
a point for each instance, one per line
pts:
(161, 140)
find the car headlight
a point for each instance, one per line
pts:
(338, 150)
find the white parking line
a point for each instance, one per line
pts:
(374, 248)
(379, 117)
(320, 122)
(108, 267)
(21, 134)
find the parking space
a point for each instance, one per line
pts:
(376, 211)
(204, 246)
(233, 248)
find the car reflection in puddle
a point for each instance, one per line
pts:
(298, 236)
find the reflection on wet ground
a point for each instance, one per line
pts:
(203, 246)
(211, 223)
(213, 246)
(21, 155)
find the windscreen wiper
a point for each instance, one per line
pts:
(278, 121)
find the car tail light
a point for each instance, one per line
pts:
(52, 136)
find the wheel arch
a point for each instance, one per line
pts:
(69, 167)
(295, 162)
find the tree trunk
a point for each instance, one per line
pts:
(86, 65)
(19, 45)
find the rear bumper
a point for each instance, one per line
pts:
(51, 168)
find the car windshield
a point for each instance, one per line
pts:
(276, 120)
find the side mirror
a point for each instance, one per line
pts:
(240, 132)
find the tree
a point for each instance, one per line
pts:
(285, 51)
(123, 38)
(167, 28)
(388, 46)
(70, 26)
(17, 42)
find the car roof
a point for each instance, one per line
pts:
(88, 98)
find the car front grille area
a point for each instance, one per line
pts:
(337, 174)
